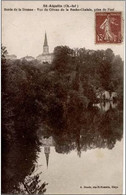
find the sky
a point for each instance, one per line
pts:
(23, 31)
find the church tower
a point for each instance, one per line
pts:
(45, 46)
(45, 57)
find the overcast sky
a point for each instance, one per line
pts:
(23, 31)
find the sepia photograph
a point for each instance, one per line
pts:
(62, 94)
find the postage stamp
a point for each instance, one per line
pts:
(108, 27)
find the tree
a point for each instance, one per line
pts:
(3, 54)
(62, 58)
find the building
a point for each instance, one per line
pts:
(106, 95)
(11, 57)
(45, 57)
(28, 58)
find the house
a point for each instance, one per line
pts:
(11, 57)
(28, 58)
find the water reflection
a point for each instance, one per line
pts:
(47, 143)
(106, 105)
(31, 161)
(100, 130)
(66, 173)
(19, 158)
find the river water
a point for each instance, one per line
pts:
(69, 173)
(83, 157)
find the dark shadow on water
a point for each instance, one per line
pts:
(19, 156)
(79, 129)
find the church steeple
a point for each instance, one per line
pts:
(45, 41)
(45, 46)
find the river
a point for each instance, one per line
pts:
(84, 157)
(75, 175)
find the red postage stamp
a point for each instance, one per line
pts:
(108, 27)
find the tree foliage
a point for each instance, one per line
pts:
(59, 96)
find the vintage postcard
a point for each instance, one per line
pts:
(62, 71)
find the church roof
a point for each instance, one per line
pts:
(45, 41)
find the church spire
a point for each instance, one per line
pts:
(45, 41)
(45, 46)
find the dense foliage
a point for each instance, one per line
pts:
(58, 96)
